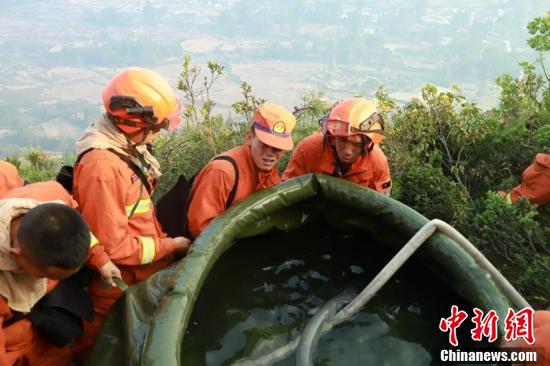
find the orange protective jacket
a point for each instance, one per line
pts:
(9, 178)
(535, 183)
(21, 344)
(20, 341)
(107, 190)
(51, 191)
(314, 155)
(215, 181)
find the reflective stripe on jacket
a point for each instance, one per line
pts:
(119, 210)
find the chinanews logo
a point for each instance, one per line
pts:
(518, 325)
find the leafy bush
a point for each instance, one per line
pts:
(205, 135)
(38, 166)
(440, 130)
(445, 154)
(427, 190)
(516, 242)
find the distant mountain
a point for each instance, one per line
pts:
(55, 55)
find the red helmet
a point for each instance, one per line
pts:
(354, 116)
(141, 99)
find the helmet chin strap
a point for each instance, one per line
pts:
(134, 146)
(145, 132)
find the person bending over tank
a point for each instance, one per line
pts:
(346, 148)
(40, 244)
(236, 174)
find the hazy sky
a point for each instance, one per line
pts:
(55, 56)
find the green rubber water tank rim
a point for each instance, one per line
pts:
(147, 326)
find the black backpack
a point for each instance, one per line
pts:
(58, 315)
(172, 208)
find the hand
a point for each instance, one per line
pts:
(182, 245)
(108, 271)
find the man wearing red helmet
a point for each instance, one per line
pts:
(113, 181)
(234, 175)
(347, 148)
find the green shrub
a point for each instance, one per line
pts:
(38, 166)
(185, 152)
(430, 192)
(514, 239)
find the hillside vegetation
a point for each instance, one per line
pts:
(448, 157)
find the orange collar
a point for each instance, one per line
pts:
(328, 163)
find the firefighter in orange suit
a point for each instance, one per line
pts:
(269, 136)
(9, 177)
(113, 181)
(535, 182)
(51, 191)
(43, 239)
(347, 148)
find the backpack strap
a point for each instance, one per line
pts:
(233, 192)
(137, 202)
(79, 157)
(172, 207)
(135, 168)
(65, 175)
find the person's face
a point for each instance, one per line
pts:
(264, 156)
(348, 148)
(51, 272)
(137, 138)
(24, 261)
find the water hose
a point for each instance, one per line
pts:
(316, 327)
(408, 250)
(319, 326)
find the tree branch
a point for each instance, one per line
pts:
(544, 69)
